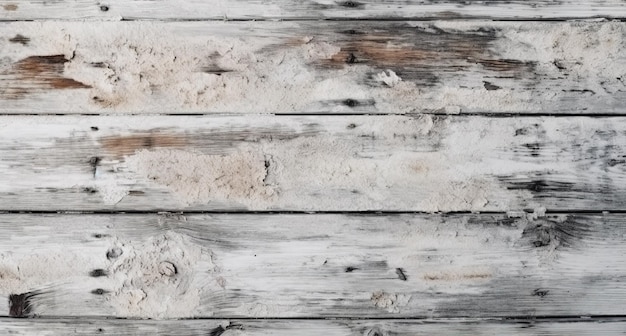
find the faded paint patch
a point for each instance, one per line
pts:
(390, 302)
(159, 277)
(388, 77)
(198, 178)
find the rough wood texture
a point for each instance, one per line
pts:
(65, 327)
(312, 163)
(315, 265)
(316, 9)
(321, 67)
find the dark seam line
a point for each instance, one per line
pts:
(381, 19)
(322, 114)
(105, 18)
(294, 212)
(420, 319)
(332, 19)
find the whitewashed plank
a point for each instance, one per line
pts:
(316, 265)
(312, 163)
(321, 67)
(63, 327)
(317, 9)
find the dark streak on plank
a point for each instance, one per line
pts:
(401, 275)
(20, 305)
(23, 40)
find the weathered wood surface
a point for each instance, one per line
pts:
(312, 265)
(312, 163)
(317, 9)
(313, 67)
(64, 327)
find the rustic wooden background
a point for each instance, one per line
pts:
(313, 167)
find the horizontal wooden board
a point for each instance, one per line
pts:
(315, 265)
(317, 9)
(312, 67)
(64, 327)
(312, 163)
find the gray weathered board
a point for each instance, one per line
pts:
(313, 67)
(312, 163)
(308, 9)
(313, 265)
(341, 327)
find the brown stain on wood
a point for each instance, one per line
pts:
(10, 7)
(421, 53)
(38, 73)
(449, 276)
(23, 40)
(126, 145)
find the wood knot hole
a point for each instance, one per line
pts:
(166, 268)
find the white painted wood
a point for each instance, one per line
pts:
(312, 66)
(63, 327)
(316, 265)
(313, 163)
(318, 9)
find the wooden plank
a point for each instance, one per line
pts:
(321, 67)
(318, 9)
(312, 163)
(315, 265)
(63, 327)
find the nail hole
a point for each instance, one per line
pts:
(350, 102)
(98, 291)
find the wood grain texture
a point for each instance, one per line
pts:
(313, 67)
(63, 327)
(312, 163)
(315, 265)
(318, 9)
